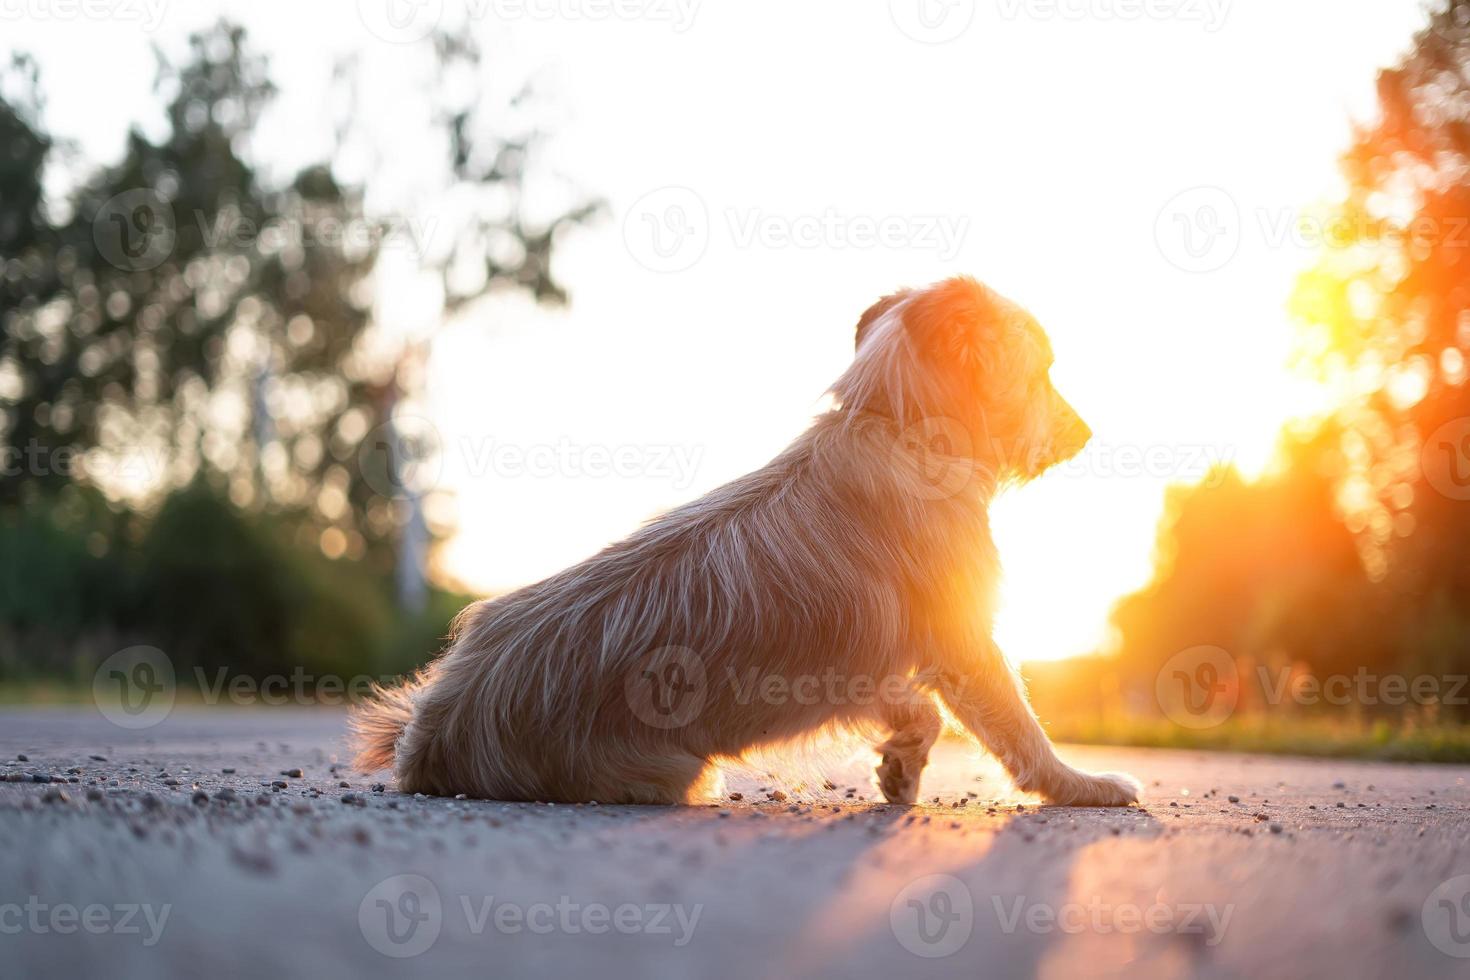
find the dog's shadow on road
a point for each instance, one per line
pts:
(820, 888)
(930, 891)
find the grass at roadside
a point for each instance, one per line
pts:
(44, 692)
(51, 693)
(1405, 741)
(1338, 739)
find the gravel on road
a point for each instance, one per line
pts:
(240, 843)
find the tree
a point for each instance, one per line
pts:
(178, 319)
(1352, 554)
(1386, 316)
(1262, 569)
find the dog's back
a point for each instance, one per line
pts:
(799, 566)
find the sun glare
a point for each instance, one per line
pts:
(1176, 372)
(1072, 543)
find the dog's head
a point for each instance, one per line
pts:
(960, 352)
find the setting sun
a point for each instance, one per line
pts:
(1167, 308)
(709, 405)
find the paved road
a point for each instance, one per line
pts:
(1313, 869)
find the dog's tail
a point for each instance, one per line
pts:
(377, 723)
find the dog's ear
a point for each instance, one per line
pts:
(954, 321)
(873, 313)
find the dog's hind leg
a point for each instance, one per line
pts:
(915, 724)
(658, 780)
(989, 700)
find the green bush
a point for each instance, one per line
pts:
(221, 592)
(61, 576)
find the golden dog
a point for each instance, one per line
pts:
(846, 585)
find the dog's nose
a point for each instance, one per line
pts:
(1074, 436)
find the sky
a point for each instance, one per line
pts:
(1143, 175)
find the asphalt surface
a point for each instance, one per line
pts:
(135, 861)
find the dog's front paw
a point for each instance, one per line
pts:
(1103, 789)
(898, 779)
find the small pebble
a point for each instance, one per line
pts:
(256, 861)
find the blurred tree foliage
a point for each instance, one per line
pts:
(1272, 550)
(195, 401)
(1355, 552)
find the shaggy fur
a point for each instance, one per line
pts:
(847, 584)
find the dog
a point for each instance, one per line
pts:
(846, 586)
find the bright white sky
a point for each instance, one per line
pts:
(1048, 140)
